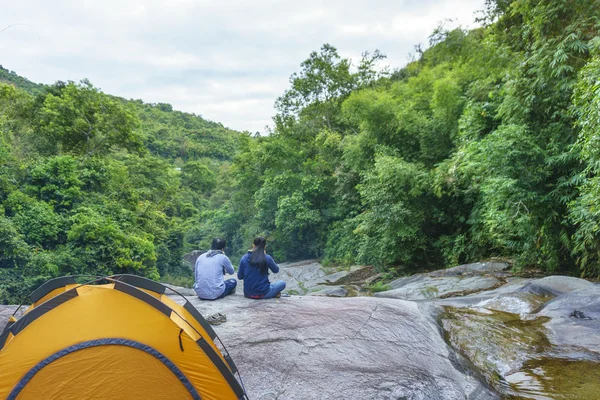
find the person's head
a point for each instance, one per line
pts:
(259, 242)
(258, 258)
(218, 244)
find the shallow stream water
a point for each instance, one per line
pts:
(516, 358)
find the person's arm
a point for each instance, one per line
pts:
(271, 264)
(241, 270)
(227, 266)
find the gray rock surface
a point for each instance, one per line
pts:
(5, 313)
(521, 303)
(333, 278)
(581, 304)
(334, 291)
(191, 257)
(481, 268)
(556, 285)
(423, 287)
(457, 281)
(575, 319)
(511, 286)
(181, 290)
(325, 348)
(300, 276)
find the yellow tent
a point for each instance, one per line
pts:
(118, 337)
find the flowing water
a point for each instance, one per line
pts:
(516, 358)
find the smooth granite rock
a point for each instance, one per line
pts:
(300, 276)
(307, 347)
(423, 287)
(457, 281)
(575, 319)
(556, 285)
(333, 278)
(521, 303)
(481, 268)
(333, 291)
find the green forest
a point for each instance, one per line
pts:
(486, 145)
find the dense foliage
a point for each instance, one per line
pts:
(92, 184)
(485, 146)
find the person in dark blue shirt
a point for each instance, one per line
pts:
(254, 271)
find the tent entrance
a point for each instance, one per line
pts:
(105, 368)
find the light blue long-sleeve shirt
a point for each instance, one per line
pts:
(209, 270)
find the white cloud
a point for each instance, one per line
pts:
(226, 60)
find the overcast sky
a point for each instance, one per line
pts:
(226, 60)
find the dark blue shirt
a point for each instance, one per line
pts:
(255, 283)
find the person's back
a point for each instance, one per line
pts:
(209, 270)
(256, 274)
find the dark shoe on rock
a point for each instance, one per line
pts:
(216, 319)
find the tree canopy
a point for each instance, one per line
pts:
(486, 145)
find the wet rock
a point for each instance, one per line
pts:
(521, 303)
(575, 319)
(556, 285)
(523, 337)
(326, 348)
(583, 304)
(355, 268)
(498, 343)
(511, 285)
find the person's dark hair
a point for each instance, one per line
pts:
(258, 258)
(218, 244)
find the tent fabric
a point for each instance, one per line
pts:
(115, 355)
(125, 339)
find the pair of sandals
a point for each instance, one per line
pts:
(216, 319)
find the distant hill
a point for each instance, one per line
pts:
(11, 77)
(92, 183)
(170, 134)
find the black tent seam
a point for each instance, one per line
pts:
(143, 296)
(140, 282)
(42, 309)
(49, 286)
(222, 367)
(189, 307)
(3, 338)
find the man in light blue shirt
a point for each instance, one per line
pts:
(209, 270)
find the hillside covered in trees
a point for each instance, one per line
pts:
(487, 145)
(93, 184)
